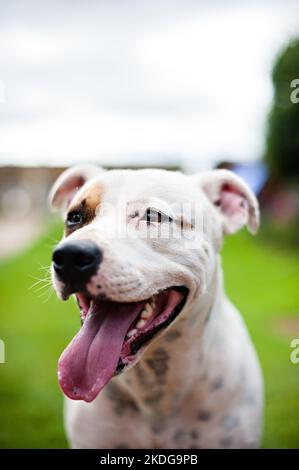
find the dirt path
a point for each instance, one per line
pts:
(15, 235)
(287, 326)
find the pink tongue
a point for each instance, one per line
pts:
(90, 360)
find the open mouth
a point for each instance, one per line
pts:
(110, 338)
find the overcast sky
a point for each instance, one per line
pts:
(138, 81)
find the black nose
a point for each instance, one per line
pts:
(76, 262)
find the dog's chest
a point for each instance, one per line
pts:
(117, 422)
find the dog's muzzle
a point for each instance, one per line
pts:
(75, 263)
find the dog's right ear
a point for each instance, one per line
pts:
(232, 198)
(68, 183)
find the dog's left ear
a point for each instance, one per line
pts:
(232, 197)
(68, 183)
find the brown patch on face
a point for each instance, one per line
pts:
(85, 206)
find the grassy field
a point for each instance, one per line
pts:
(262, 281)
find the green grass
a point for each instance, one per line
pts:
(261, 280)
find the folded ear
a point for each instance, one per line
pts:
(68, 183)
(232, 197)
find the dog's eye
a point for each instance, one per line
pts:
(153, 215)
(74, 218)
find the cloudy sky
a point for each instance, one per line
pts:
(138, 81)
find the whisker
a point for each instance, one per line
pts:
(40, 285)
(45, 295)
(50, 292)
(42, 267)
(45, 286)
(39, 281)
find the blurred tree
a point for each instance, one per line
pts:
(282, 147)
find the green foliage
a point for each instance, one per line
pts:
(282, 151)
(260, 280)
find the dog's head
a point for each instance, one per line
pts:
(139, 248)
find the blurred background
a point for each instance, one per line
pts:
(187, 85)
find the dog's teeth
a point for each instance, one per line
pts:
(145, 314)
(148, 308)
(131, 333)
(141, 323)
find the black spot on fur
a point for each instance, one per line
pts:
(141, 375)
(194, 434)
(180, 436)
(172, 335)
(157, 428)
(217, 383)
(204, 415)
(159, 364)
(154, 397)
(123, 445)
(153, 386)
(122, 402)
(229, 422)
(153, 379)
(161, 353)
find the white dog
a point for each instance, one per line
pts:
(163, 359)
